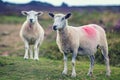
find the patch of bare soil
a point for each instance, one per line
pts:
(9, 38)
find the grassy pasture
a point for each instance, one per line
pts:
(16, 68)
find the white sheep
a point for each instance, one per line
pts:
(32, 34)
(80, 40)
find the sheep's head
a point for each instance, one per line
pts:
(32, 16)
(60, 20)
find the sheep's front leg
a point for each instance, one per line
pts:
(26, 50)
(36, 50)
(31, 52)
(73, 64)
(92, 58)
(65, 64)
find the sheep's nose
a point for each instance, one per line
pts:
(31, 20)
(55, 27)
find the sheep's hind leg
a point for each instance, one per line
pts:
(92, 58)
(65, 64)
(105, 54)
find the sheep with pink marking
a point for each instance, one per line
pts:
(32, 34)
(82, 40)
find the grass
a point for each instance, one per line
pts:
(11, 19)
(16, 68)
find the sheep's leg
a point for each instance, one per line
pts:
(105, 54)
(31, 52)
(92, 58)
(74, 55)
(26, 50)
(65, 64)
(36, 51)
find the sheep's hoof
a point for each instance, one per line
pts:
(64, 72)
(25, 58)
(108, 74)
(73, 75)
(89, 74)
(36, 59)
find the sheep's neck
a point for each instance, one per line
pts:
(63, 34)
(63, 31)
(65, 40)
(30, 25)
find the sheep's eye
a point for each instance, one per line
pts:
(62, 19)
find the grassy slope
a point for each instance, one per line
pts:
(16, 68)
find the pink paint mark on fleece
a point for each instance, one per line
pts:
(90, 31)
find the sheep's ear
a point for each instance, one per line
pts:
(52, 15)
(39, 13)
(24, 12)
(67, 15)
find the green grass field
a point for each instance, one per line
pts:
(16, 68)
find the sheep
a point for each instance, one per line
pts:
(32, 33)
(82, 40)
